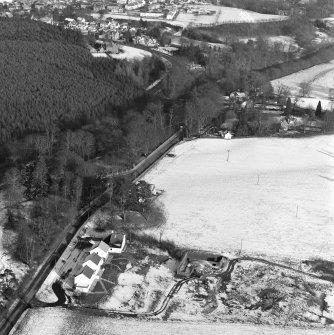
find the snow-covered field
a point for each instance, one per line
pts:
(130, 53)
(99, 54)
(59, 321)
(321, 79)
(222, 15)
(274, 196)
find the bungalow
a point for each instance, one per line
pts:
(93, 261)
(102, 249)
(85, 279)
(117, 242)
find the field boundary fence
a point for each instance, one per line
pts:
(236, 22)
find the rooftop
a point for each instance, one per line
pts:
(88, 272)
(102, 246)
(115, 239)
(95, 258)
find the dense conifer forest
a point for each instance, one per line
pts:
(48, 76)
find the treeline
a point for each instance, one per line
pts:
(299, 27)
(317, 9)
(37, 31)
(320, 56)
(260, 6)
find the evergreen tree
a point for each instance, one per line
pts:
(288, 107)
(318, 111)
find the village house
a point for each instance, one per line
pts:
(94, 261)
(102, 249)
(92, 267)
(84, 281)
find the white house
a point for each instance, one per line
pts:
(102, 249)
(85, 279)
(117, 242)
(94, 261)
(228, 136)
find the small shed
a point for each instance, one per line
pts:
(116, 242)
(228, 136)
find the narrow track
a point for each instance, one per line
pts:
(261, 260)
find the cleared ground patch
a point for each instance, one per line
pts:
(273, 196)
(130, 53)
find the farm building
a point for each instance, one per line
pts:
(197, 263)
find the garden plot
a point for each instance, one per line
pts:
(269, 196)
(321, 79)
(139, 292)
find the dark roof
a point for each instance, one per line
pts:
(95, 258)
(204, 256)
(88, 272)
(115, 240)
(103, 246)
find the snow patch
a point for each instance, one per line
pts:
(130, 53)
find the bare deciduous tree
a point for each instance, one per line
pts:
(305, 88)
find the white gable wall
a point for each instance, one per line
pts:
(92, 265)
(119, 250)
